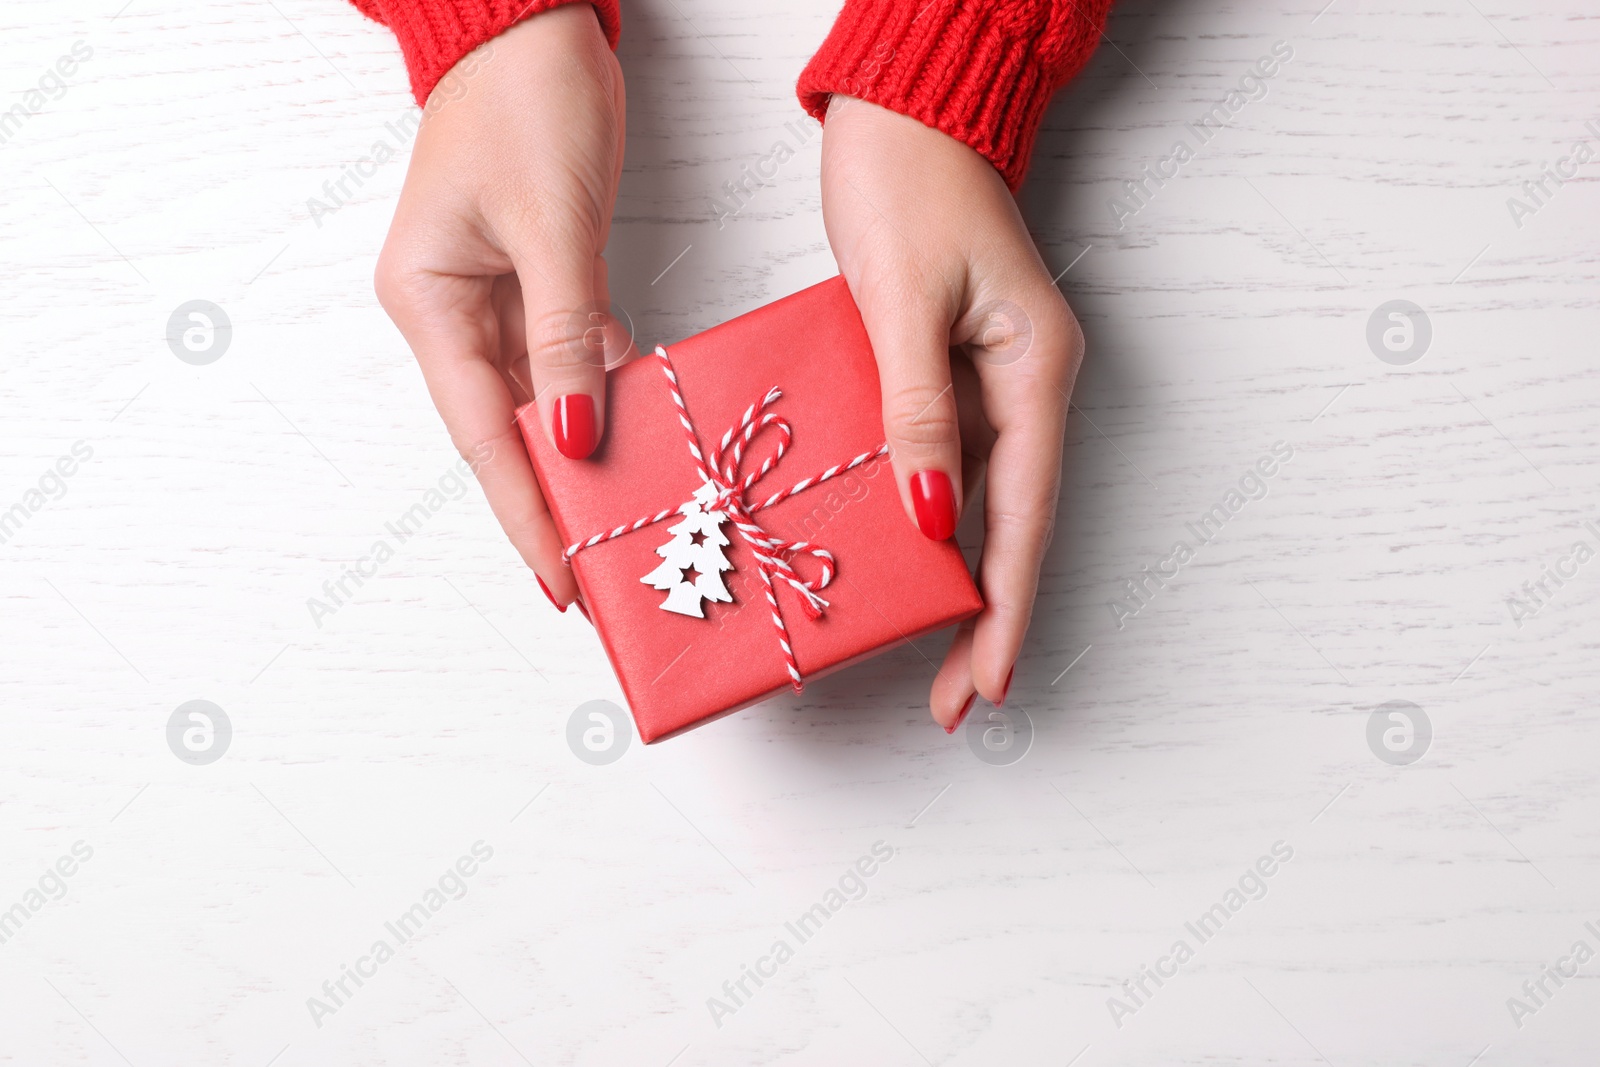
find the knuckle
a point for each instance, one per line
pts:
(1010, 612)
(403, 289)
(1068, 334)
(921, 416)
(567, 343)
(1029, 527)
(391, 283)
(479, 454)
(1059, 328)
(1040, 341)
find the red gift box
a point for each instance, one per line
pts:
(889, 582)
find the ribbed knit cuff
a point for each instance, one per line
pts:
(435, 34)
(981, 71)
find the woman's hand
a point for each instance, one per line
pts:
(977, 352)
(492, 268)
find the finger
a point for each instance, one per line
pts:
(514, 335)
(911, 340)
(953, 692)
(1025, 399)
(507, 302)
(450, 326)
(977, 436)
(561, 274)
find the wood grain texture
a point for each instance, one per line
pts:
(430, 712)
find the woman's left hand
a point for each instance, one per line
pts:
(977, 353)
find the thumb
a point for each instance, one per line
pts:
(911, 340)
(571, 334)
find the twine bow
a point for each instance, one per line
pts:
(773, 555)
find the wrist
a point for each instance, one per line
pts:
(979, 71)
(920, 160)
(436, 35)
(567, 29)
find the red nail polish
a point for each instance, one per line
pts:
(572, 423)
(1007, 687)
(934, 499)
(961, 716)
(551, 596)
(583, 611)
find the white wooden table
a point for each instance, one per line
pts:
(429, 714)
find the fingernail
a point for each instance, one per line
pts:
(552, 597)
(583, 611)
(572, 423)
(934, 499)
(961, 716)
(1007, 687)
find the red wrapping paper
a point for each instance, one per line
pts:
(892, 583)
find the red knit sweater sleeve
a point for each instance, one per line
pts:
(981, 71)
(435, 34)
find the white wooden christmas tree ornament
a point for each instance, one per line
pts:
(692, 562)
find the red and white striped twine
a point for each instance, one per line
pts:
(773, 555)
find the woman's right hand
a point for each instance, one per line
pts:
(492, 269)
